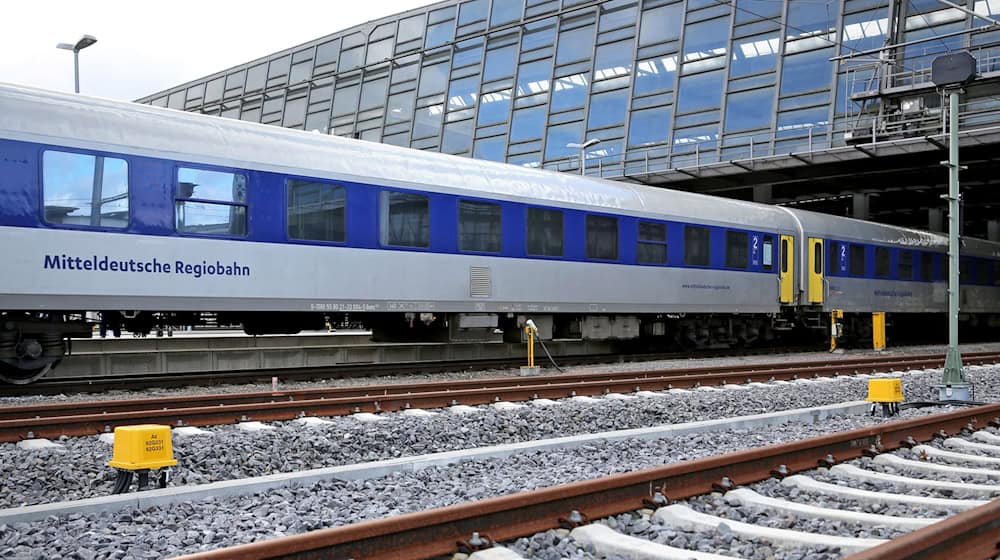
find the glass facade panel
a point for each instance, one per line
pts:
(749, 109)
(569, 92)
(373, 94)
(806, 18)
(427, 121)
(752, 55)
(649, 126)
(400, 107)
(607, 109)
(806, 71)
(575, 44)
(527, 124)
(655, 74)
(439, 34)
(494, 107)
(462, 93)
(660, 25)
(753, 10)
(613, 60)
(794, 123)
(706, 39)
(490, 148)
(534, 78)
(433, 79)
(457, 137)
(499, 63)
(558, 137)
(700, 91)
(506, 11)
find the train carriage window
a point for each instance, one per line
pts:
(982, 272)
(784, 256)
(882, 267)
(85, 190)
(602, 237)
(545, 232)
(737, 249)
(996, 273)
(211, 202)
(833, 256)
(316, 211)
(927, 266)
(479, 226)
(818, 258)
(857, 260)
(906, 265)
(768, 255)
(652, 245)
(405, 219)
(964, 270)
(696, 246)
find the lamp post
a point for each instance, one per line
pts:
(83, 43)
(583, 152)
(951, 72)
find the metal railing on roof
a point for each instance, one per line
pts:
(794, 142)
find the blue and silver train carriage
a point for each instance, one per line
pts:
(145, 216)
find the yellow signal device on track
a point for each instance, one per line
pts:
(142, 447)
(888, 393)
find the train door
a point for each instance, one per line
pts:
(786, 269)
(815, 270)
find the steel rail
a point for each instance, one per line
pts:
(645, 379)
(75, 419)
(435, 532)
(971, 535)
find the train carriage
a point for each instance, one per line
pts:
(150, 216)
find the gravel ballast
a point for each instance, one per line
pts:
(77, 470)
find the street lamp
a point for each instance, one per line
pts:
(83, 43)
(583, 151)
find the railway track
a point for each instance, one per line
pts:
(93, 417)
(139, 381)
(970, 535)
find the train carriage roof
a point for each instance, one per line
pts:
(121, 127)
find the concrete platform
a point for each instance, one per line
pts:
(108, 357)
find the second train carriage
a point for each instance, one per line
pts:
(152, 216)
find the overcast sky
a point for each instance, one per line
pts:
(145, 47)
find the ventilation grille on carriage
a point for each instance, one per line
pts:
(480, 283)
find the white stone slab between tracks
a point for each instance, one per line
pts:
(313, 421)
(683, 517)
(464, 409)
(959, 443)
(747, 497)
(106, 437)
(254, 426)
(363, 471)
(610, 543)
(38, 443)
(850, 471)
(808, 484)
(495, 553)
(899, 462)
(190, 431)
(929, 451)
(983, 435)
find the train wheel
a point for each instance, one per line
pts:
(18, 376)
